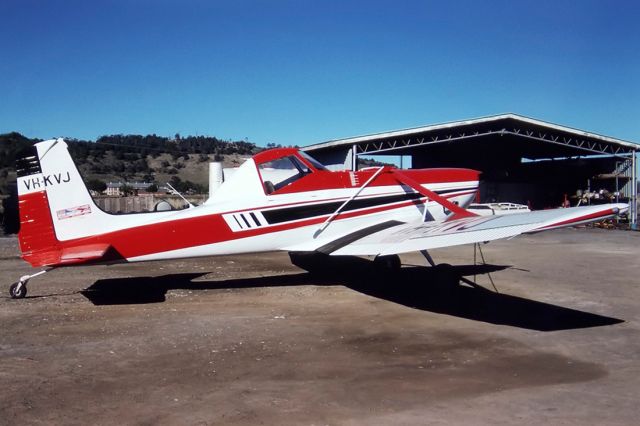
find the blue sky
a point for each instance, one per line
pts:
(299, 72)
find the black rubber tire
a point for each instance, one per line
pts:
(18, 294)
(389, 263)
(446, 275)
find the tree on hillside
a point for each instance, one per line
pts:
(12, 145)
(96, 185)
(125, 155)
(126, 190)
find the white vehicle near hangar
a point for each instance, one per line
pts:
(493, 209)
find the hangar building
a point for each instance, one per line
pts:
(523, 160)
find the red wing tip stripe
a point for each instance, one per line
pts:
(598, 215)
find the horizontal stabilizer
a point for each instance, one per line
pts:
(60, 256)
(83, 254)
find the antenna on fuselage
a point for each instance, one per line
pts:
(175, 192)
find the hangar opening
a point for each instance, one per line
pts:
(522, 160)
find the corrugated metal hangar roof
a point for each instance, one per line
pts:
(557, 140)
(522, 159)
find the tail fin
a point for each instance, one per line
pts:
(38, 242)
(50, 192)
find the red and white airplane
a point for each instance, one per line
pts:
(281, 199)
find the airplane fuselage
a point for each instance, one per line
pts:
(248, 213)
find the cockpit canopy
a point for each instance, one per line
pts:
(275, 171)
(279, 168)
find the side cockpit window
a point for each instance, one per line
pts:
(315, 163)
(276, 174)
(302, 168)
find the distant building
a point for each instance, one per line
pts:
(114, 189)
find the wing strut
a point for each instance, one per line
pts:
(458, 212)
(427, 256)
(343, 205)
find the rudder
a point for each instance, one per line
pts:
(38, 242)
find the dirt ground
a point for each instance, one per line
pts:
(250, 340)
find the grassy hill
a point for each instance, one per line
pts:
(180, 160)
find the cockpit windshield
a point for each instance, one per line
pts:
(315, 163)
(281, 172)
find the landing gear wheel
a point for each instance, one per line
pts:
(446, 276)
(389, 263)
(18, 290)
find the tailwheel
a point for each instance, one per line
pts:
(18, 290)
(390, 263)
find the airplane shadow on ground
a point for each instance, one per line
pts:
(141, 290)
(418, 287)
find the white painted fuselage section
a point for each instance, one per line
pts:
(247, 216)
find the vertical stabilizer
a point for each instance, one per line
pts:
(49, 175)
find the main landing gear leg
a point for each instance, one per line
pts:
(19, 290)
(428, 257)
(484, 262)
(445, 275)
(388, 263)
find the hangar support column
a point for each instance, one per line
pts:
(354, 157)
(633, 208)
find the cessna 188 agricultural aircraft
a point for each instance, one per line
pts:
(281, 199)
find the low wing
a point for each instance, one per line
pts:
(404, 238)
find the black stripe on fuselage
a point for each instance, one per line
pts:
(288, 214)
(304, 212)
(449, 191)
(255, 219)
